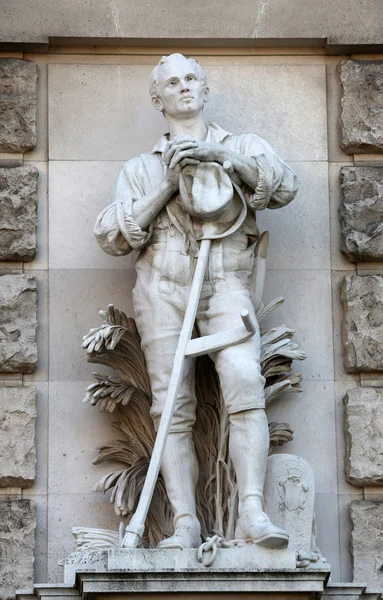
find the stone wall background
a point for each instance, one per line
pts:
(94, 113)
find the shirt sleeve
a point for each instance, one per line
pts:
(277, 182)
(116, 230)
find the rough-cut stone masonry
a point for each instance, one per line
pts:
(366, 542)
(361, 213)
(361, 106)
(17, 544)
(18, 213)
(18, 105)
(364, 440)
(17, 436)
(362, 328)
(18, 322)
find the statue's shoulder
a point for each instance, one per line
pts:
(248, 143)
(137, 163)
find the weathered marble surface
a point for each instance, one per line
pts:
(18, 322)
(366, 542)
(361, 106)
(364, 440)
(18, 213)
(17, 436)
(17, 543)
(18, 104)
(362, 327)
(361, 213)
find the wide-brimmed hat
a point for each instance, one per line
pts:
(206, 190)
(208, 194)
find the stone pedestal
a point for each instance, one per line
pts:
(250, 571)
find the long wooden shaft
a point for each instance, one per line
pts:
(136, 526)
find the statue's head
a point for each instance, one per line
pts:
(178, 86)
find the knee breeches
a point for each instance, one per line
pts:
(159, 316)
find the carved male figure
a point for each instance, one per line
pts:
(146, 214)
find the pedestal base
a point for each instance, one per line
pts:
(246, 558)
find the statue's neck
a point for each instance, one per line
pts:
(195, 127)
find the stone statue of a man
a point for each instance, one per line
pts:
(146, 214)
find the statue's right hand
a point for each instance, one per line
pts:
(176, 157)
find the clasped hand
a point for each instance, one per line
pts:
(184, 150)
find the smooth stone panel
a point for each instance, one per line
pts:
(73, 448)
(347, 22)
(75, 298)
(327, 524)
(36, 22)
(366, 542)
(18, 104)
(342, 22)
(18, 213)
(361, 213)
(218, 19)
(364, 440)
(307, 310)
(299, 232)
(263, 99)
(18, 351)
(41, 558)
(103, 112)
(361, 106)
(17, 544)
(362, 299)
(74, 510)
(311, 415)
(82, 189)
(17, 436)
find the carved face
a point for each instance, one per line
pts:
(180, 92)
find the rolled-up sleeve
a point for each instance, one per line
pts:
(115, 229)
(277, 182)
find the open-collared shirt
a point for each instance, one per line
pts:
(118, 233)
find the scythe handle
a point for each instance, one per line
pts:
(135, 529)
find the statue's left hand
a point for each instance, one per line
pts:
(186, 147)
(206, 152)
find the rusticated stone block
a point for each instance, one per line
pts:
(364, 439)
(366, 542)
(17, 436)
(17, 545)
(18, 104)
(361, 213)
(361, 106)
(18, 213)
(18, 322)
(362, 327)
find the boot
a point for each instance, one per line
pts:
(180, 472)
(249, 446)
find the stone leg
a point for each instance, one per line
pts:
(249, 444)
(242, 386)
(159, 320)
(180, 472)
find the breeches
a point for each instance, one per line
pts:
(159, 312)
